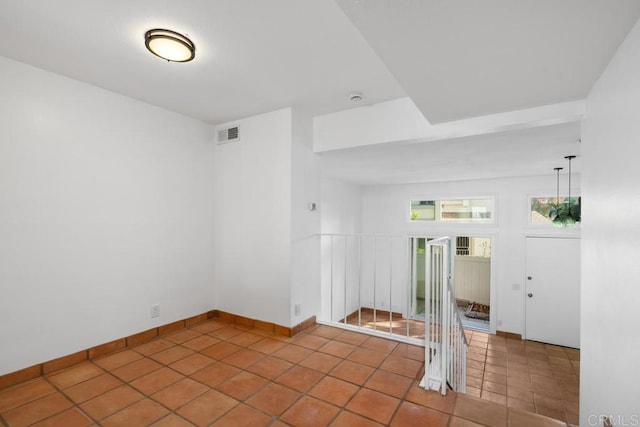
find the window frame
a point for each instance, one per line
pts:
(492, 221)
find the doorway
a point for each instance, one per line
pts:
(552, 294)
(471, 281)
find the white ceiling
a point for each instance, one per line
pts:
(252, 56)
(466, 58)
(529, 152)
(454, 58)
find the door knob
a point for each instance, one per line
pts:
(529, 295)
(529, 277)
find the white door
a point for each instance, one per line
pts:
(553, 291)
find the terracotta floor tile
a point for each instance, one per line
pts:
(320, 362)
(215, 374)
(201, 342)
(298, 414)
(494, 387)
(379, 344)
(205, 409)
(402, 366)
(243, 416)
(91, 388)
(409, 351)
(351, 338)
(494, 397)
(476, 373)
(474, 382)
(270, 367)
(374, 405)
(352, 372)
(156, 380)
(368, 357)
(267, 345)
(312, 342)
(71, 417)
(299, 378)
(480, 411)
(191, 364)
(221, 350)
(520, 404)
(141, 413)
(495, 369)
(389, 383)
(225, 333)
(179, 393)
(473, 392)
(24, 393)
(117, 360)
(334, 391)
(325, 331)
(172, 420)
(111, 402)
(75, 375)
(292, 353)
(242, 385)
(243, 358)
(153, 346)
(273, 399)
(170, 355)
(136, 369)
(338, 349)
(208, 326)
(349, 419)
(431, 399)
(37, 410)
(332, 366)
(408, 413)
(520, 394)
(527, 419)
(245, 339)
(182, 335)
(461, 422)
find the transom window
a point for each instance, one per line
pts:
(457, 210)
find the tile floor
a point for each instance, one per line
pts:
(218, 374)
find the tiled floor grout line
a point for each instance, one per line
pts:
(322, 369)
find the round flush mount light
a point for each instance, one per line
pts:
(169, 45)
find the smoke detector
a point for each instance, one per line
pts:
(356, 96)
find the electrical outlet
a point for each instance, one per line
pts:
(297, 309)
(155, 311)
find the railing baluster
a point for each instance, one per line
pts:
(345, 278)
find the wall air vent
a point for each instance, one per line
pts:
(231, 134)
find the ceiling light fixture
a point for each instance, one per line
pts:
(567, 213)
(169, 45)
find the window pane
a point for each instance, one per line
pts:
(542, 208)
(462, 210)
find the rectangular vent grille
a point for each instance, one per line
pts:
(231, 134)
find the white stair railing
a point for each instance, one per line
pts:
(369, 284)
(445, 342)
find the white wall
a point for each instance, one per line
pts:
(252, 219)
(341, 207)
(305, 223)
(105, 209)
(386, 211)
(610, 269)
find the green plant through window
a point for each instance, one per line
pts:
(563, 212)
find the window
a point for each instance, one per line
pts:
(543, 209)
(459, 210)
